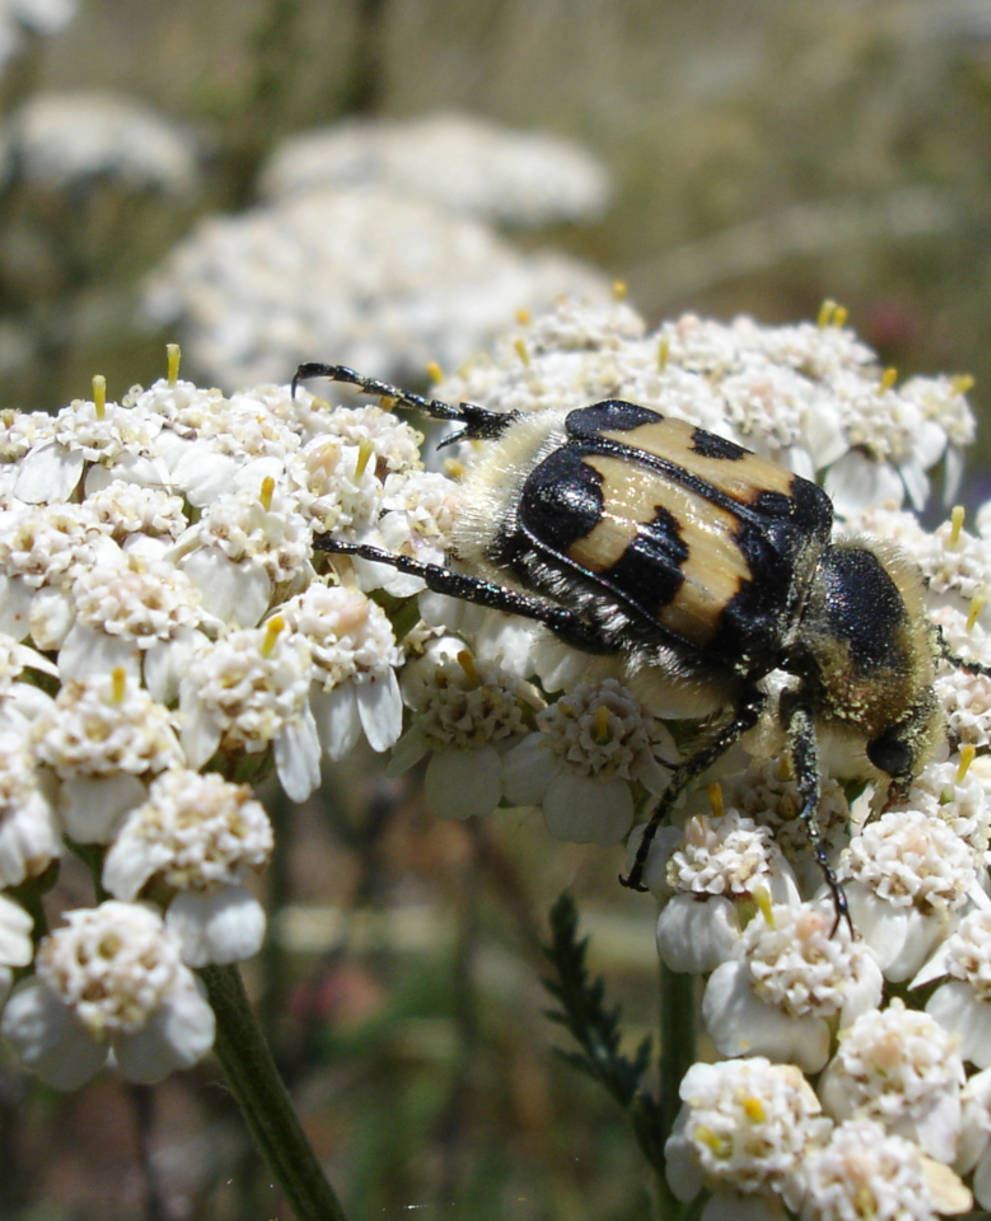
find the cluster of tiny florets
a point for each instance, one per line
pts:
(170, 627)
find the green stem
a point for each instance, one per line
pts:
(264, 1100)
(679, 1034)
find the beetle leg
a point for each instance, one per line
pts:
(565, 623)
(962, 663)
(745, 716)
(479, 422)
(800, 729)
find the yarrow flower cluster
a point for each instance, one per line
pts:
(255, 294)
(476, 167)
(20, 19)
(172, 624)
(56, 141)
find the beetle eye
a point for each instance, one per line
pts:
(891, 754)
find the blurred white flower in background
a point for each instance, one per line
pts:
(55, 141)
(25, 17)
(461, 162)
(368, 277)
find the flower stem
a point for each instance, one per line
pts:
(264, 1100)
(678, 1037)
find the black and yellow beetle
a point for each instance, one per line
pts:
(628, 531)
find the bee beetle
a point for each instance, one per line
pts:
(627, 531)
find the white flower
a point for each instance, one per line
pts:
(467, 713)
(384, 282)
(30, 833)
(796, 973)
(590, 749)
(355, 658)
(136, 612)
(250, 690)
(201, 837)
(134, 514)
(974, 1145)
(67, 139)
(21, 702)
(713, 869)
(102, 737)
(908, 878)
(16, 948)
(110, 981)
(41, 549)
(864, 1171)
(745, 1128)
(477, 167)
(771, 799)
(902, 1069)
(246, 553)
(38, 16)
(963, 1003)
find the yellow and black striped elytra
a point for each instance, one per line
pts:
(627, 531)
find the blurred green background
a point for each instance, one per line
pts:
(764, 155)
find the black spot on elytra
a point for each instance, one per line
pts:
(649, 572)
(561, 500)
(708, 445)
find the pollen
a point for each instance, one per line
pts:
(365, 451)
(976, 606)
(831, 314)
(118, 681)
(173, 358)
(967, 754)
(273, 629)
(957, 515)
(266, 492)
(100, 395)
(519, 346)
(716, 803)
(467, 664)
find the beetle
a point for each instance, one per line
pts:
(628, 531)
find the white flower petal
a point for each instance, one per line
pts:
(586, 811)
(178, 1034)
(47, 1038)
(380, 707)
(696, 935)
(91, 808)
(224, 927)
(338, 723)
(742, 1025)
(463, 783)
(297, 756)
(16, 949)
(48, 474)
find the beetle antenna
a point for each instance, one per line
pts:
(479, 422)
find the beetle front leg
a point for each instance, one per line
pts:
(799, 726)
